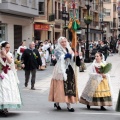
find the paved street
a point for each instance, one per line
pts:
(37, 107)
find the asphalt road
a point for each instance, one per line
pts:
(36, 105)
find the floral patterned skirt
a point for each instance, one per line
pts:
(57, 93)
(102, 95)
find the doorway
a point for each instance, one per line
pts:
(17, 36)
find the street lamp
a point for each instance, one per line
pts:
(119, 32)
(87, 20)
(52, 25)
(65, 17)
(102, 31)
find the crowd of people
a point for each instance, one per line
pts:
(66, 62)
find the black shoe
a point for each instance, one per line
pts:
(32, 88)
(70, 109)
(26, 84)
(102, 108)
(4, 112)
(88, 106)
(57, 106)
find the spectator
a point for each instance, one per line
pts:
(31, 61)
(20, 50)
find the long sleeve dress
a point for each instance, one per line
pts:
(63, 85)
(9, 91)
(97, 91)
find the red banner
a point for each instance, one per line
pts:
(41, 27)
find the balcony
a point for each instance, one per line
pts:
(21, 7)
(52, 17)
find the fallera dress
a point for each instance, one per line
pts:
(97, 91)
(9, 90)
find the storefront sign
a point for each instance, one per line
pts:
(41, 27)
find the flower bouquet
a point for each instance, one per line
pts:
(18, 64)
(105, 68)
(35, 55)
(22, 50)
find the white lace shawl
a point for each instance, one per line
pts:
(59, 72)
(93, 82)
(12, 65)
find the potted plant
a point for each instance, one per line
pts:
(88, 19)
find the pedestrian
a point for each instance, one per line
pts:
(9, 91)
(20, 50)
(82, 66)
(42, 55)
(118, 47)
(103, 48)
(97, 91)
(37, 44)
(63, 83)
(30, 62)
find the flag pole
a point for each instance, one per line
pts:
(74, 14)
(73, 25)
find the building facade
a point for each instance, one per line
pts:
(110, 19)
(48, 25)
(94, 31)
(16, 21)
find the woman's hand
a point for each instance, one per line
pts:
(71, 52)
(103, 75)
(23, 65)
(3, 52)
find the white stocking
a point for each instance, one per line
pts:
(69, 105)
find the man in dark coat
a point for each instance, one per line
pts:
(103, 48)
(30, 62)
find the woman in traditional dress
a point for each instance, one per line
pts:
(63, 83)
(20, 50)
(97, 91)
(42, 55)
(9, 91)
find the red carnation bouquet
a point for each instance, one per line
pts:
(22, 50)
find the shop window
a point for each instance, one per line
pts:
(2, 32)
(37, 35)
